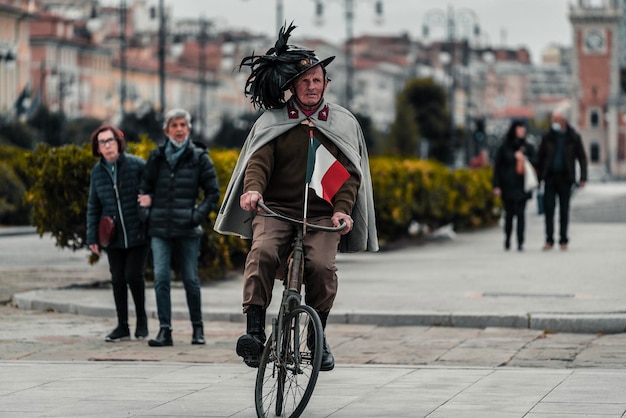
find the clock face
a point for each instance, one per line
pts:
(595, 41)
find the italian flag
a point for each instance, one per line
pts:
(324, 174)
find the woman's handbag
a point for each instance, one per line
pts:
(106, 231)
(530, 177)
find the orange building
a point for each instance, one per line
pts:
(599, 110)
(14, 53)
(70, 72)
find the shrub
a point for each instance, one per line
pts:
(427, 192)
(59, 191)
(11, 196)
(60, 188)
(14, 210)
(405, 191)
(18, 134)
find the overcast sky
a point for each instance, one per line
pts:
(531, 23)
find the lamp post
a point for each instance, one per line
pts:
(349, 17)
(453, 19)
(202, 73)
(123, 46)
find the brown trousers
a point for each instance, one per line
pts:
(271, 244)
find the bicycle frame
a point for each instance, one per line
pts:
(289, 355)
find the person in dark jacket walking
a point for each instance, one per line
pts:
(174, 175)
(113, 189)
(560, 148)
(508, 180)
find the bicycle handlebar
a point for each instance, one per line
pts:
(271, 213)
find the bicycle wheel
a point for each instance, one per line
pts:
(288, 369)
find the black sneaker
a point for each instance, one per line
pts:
(121, 333)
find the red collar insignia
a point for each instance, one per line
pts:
(323, 114)
(292, 112)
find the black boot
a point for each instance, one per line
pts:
(141, 330)
(250, 345)
(198, 334)
(163, 339)
(328, 360)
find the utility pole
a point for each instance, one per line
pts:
(162, 34)
(202, 72)
(450, 19)
(349, 54)
(123, 46)
(279, 15)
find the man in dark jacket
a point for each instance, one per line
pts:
(560, 148)
(174, 174)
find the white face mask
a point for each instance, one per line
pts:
(556, 127)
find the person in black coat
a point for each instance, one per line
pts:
(175, 174)
(561, 147)
(508, 180)
(113, 190)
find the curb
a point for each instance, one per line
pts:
(584, 323)
(9, 231)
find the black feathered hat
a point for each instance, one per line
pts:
(273, 73)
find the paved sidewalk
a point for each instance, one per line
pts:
(198, 390)
(506, 351)
(467, 281)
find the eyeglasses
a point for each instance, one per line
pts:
(105, 142)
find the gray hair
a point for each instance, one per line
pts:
(176, 114)
(564, 110)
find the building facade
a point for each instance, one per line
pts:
(599, 66)
(14, 56)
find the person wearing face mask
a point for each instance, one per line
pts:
(561, 147)
(113, 188)
(508, 180)
(175, 174)
(272, 169)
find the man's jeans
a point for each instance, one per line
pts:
(186, 251)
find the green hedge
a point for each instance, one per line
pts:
(426, 192)
(14, 209)
(405, 191)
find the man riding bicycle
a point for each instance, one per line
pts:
(272, 168)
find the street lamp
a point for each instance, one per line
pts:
(349, 16)
(453, 19)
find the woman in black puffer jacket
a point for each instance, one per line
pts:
(508, 182)
(113, 191)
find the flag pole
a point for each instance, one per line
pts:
(306, 185)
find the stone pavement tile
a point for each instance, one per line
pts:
(493, 393)
(584, 386)
(607, 351)
(594, 410)
(342, 394)
(553, 349)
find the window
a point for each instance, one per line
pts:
(595, 152)
(594, 119)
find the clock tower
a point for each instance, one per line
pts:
(598, 104)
